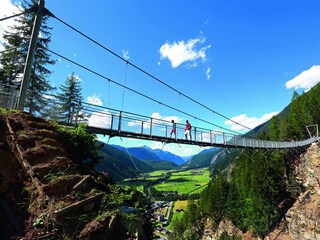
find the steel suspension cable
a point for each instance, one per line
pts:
(16, 15)
(125, 82)
(29, 10)
(132, 90)
(131, 158)
(145, 72)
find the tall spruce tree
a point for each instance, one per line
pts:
(13, 58)
(69, 98)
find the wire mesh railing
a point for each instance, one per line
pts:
(122, 123)
(114, 122)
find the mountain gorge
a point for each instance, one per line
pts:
(121, 162)
(146, 153)
(49, 188)
(263, 193)
(118, 163)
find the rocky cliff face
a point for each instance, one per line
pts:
(225, 227)
(302, 220)
(44, 194)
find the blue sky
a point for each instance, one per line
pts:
(242, 59)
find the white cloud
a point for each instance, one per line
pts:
(156, 118)
(208, 73)
(126, 54)
(168, 119)
(100, 119)
(180, 52)
(7, 9)
(305, 80)
(138, 123)
(94, 100)
(250, 122)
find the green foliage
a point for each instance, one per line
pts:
(118, 196)
(5, 111)
(81, 145)
(223, 160)
(295, 95)
(52, 176)
(161, 165)
(16, 48)
(261, 185)
(69, 99)
(213, 198)
(225, 236)
(118, 163)
(188, 227)
(273, 132)
(201, 160)
(262, 181)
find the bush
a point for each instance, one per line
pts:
(81, 145)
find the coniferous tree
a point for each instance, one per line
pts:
(315, 103)
(69, 98)
(262, 184)
(283, 129)
(273, 132)
(13, 58)
(295, 96)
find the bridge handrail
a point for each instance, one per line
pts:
(123, 122)
(145, 121)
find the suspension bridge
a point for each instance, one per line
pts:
(119, 123)
(113, 122)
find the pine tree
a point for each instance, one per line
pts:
(283, 129)
(273, 132)
(69, 98)
(12, 60)
(14, 57)
(295, 96)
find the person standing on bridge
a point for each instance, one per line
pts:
(187, 130)
(173, 129)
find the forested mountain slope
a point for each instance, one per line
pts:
(262, 184)
(119, 164)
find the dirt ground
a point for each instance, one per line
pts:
(43, 192)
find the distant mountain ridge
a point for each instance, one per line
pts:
(202, 159)
(146, 153)
(141, 153)
(119, 164)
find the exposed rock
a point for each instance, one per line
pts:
(43, 192)
(225, 226)
(302, 221)
(109, 227)
(208, 232)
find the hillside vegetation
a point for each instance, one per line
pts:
(262, 185)
(119, 164)
(49, 189)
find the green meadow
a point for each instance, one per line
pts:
(183, 181)
(188, 181)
